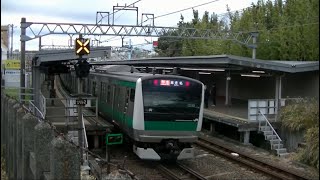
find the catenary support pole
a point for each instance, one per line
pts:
(23, 59)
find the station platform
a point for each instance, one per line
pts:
(229, 116)
(56, 114)
(235, 115)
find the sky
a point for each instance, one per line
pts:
(84, 12)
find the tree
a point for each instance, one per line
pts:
(170, 46)
(288, 30)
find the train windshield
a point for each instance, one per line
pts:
(171, 99)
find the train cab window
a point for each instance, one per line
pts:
(132, 93)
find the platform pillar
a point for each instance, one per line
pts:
(36, 84)
(96, 141)
(277, 96)
(212, 128)
(228, 94)
(246, 137)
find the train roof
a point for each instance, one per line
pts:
(116, 68)
(129, 74)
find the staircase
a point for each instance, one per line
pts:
(271, 135)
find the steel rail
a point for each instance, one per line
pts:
(264, 167)
(172, 175)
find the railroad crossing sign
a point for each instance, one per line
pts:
(82, 46)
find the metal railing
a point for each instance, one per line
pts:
(43, 104)
(85, 138)
(269, 124)
(33, 108)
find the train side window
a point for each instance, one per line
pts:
(109, 93)
(117, 94)
(103, 90)
(132, 93)
(94, 88)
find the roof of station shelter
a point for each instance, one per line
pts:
(220, 61)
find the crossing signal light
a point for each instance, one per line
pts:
(82, 46)
(114, 139)
(82, 68)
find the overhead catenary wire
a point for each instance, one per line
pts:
(119, 16)
(186, 9)
(221, 14)
(163, 15)
(167, 14)
(170, 14)
(173, 39)
(124, 7)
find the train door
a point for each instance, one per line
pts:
(125, 107)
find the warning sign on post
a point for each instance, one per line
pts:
(12, 64)
(82, 102)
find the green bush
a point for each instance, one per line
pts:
(14, 93)
(303, 115)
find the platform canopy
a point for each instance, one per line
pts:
(223, 62)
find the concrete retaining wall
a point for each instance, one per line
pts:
(291, 139)
(31, 149)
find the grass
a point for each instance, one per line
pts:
(14, 93)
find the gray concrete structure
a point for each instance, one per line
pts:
(64, 160)
(31, 151)
(15, 138)
(20, 114)
(246, 137)
(11, 142)
(44, 56)
(28, 123)
(291, 138)
(42, 145)
(2, 118)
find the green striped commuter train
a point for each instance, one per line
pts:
(161, 114)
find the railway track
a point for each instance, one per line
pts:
(179, 171)
(264, 167)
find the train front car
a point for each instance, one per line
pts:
(167, 116)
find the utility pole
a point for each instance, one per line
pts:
(80, 119)
(2, 84)
(80, 113)
(130, 50)
(108, 155)
(254, 44)
(82, 68)
(22, 60)
(11, 48)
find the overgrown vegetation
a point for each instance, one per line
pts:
(3, 166)
(288, 30)
(303, 115)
